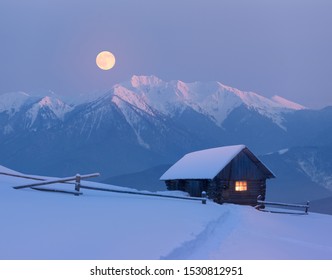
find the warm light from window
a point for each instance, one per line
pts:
(240, 186)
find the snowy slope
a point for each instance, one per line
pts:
(100, 225)
(12, 102)
(287, 103)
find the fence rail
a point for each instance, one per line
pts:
(262, 203)
(76, 178)
(22, 176)
(79, 186)
(202, 199)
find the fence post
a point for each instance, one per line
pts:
(307, 208)
(260, 203)
(203, 197)
(77, 183)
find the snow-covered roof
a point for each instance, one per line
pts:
(206, 164)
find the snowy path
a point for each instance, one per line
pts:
(207, 242)
(244, 233)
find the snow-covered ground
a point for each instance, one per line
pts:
(101, 225)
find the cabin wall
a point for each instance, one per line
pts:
(193, 187)
(221, 191)
(241, 168)
(224, 192)
(173, 185)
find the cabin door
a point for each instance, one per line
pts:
(194, 188)
(225, 192)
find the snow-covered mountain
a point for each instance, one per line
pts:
(212, 99)
(19, 110)
(153, 97)
(146, 122)
(12, 102)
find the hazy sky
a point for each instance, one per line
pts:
(279, 47)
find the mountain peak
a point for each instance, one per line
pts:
(55, 105)
(138, 81)
(51, 102)
(46, 101)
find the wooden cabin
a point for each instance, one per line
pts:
(231, 174)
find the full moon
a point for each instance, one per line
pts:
(105, 60)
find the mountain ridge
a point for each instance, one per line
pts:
(145, 92)
(146, 122)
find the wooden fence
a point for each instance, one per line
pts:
(79, 186)
(22, 176)
(37, 185)
(202, 199)
(262, 204)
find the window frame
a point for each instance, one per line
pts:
(241, 186)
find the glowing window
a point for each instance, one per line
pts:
(240, 186)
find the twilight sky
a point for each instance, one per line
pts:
(279, 47)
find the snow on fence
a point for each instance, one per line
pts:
(77, 179)
(79, 186)
(262, 203)
(21, 176)
(202, 199)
